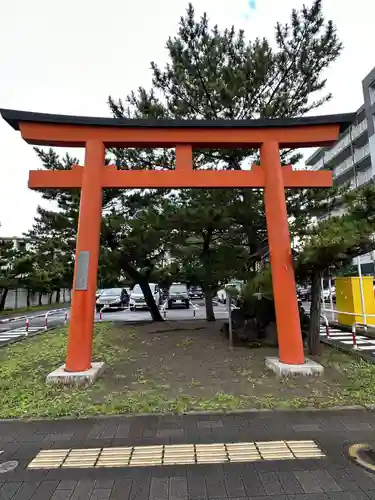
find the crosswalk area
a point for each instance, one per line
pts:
(363, 343)
(18, 333)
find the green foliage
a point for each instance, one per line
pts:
(232, 291)
(15, 269)
(210, 74)
(260, 282)
(134, 235)
(334, 242)
(52, 237)
(206, 244)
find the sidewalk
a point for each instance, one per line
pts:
(332, 477)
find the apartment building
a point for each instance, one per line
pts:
(19, 243)
(352, 157)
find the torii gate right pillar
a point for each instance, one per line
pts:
(291, 354)
(283, 281)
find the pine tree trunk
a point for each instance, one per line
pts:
(208, 296)
(58, 296)
(3, 298)
(50, 296)
(150, 301)
(40, 295)
(314, 344)
(137, 277)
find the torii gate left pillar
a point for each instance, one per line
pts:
(95, 134)
(86, 261)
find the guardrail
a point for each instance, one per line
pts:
(355, 324)
(326, 324)
(364, 316)
(164, 309)
(101, 313)
(231, 307)
(42, 315)
(9, 320)
(24, 316)
(195, 308)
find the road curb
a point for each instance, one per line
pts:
(218, 413)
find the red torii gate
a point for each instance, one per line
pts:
(95, 134)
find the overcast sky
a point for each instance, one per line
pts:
(67, 57)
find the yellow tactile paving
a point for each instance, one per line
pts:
(150, 456)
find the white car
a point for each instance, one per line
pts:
(222, 294)
(137, 299)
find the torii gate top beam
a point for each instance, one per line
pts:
(74, 131)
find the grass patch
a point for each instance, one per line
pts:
(169, 371)
(23, 310)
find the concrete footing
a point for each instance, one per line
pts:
(309, 368)
(88, 377)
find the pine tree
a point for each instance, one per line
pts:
(206, 242)
(212, 74)
(15, 267)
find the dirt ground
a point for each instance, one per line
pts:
(192, 359)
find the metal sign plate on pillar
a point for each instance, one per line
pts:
(82, 273)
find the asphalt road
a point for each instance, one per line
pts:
(196, 311)
(15, 329)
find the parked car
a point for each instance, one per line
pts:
(112, 298)
(196, 292)
(178, 295)
(137, 299)
(222, 294)
(304, 293)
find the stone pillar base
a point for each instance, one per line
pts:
(283, 370)
(88, 377)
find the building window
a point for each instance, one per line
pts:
(372, 93)
(22, 246)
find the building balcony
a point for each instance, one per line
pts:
(337, 148)
(343, 167)
(359, 155)
(359, 129)
(344, 142)
(362, 178)
(318, 165)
